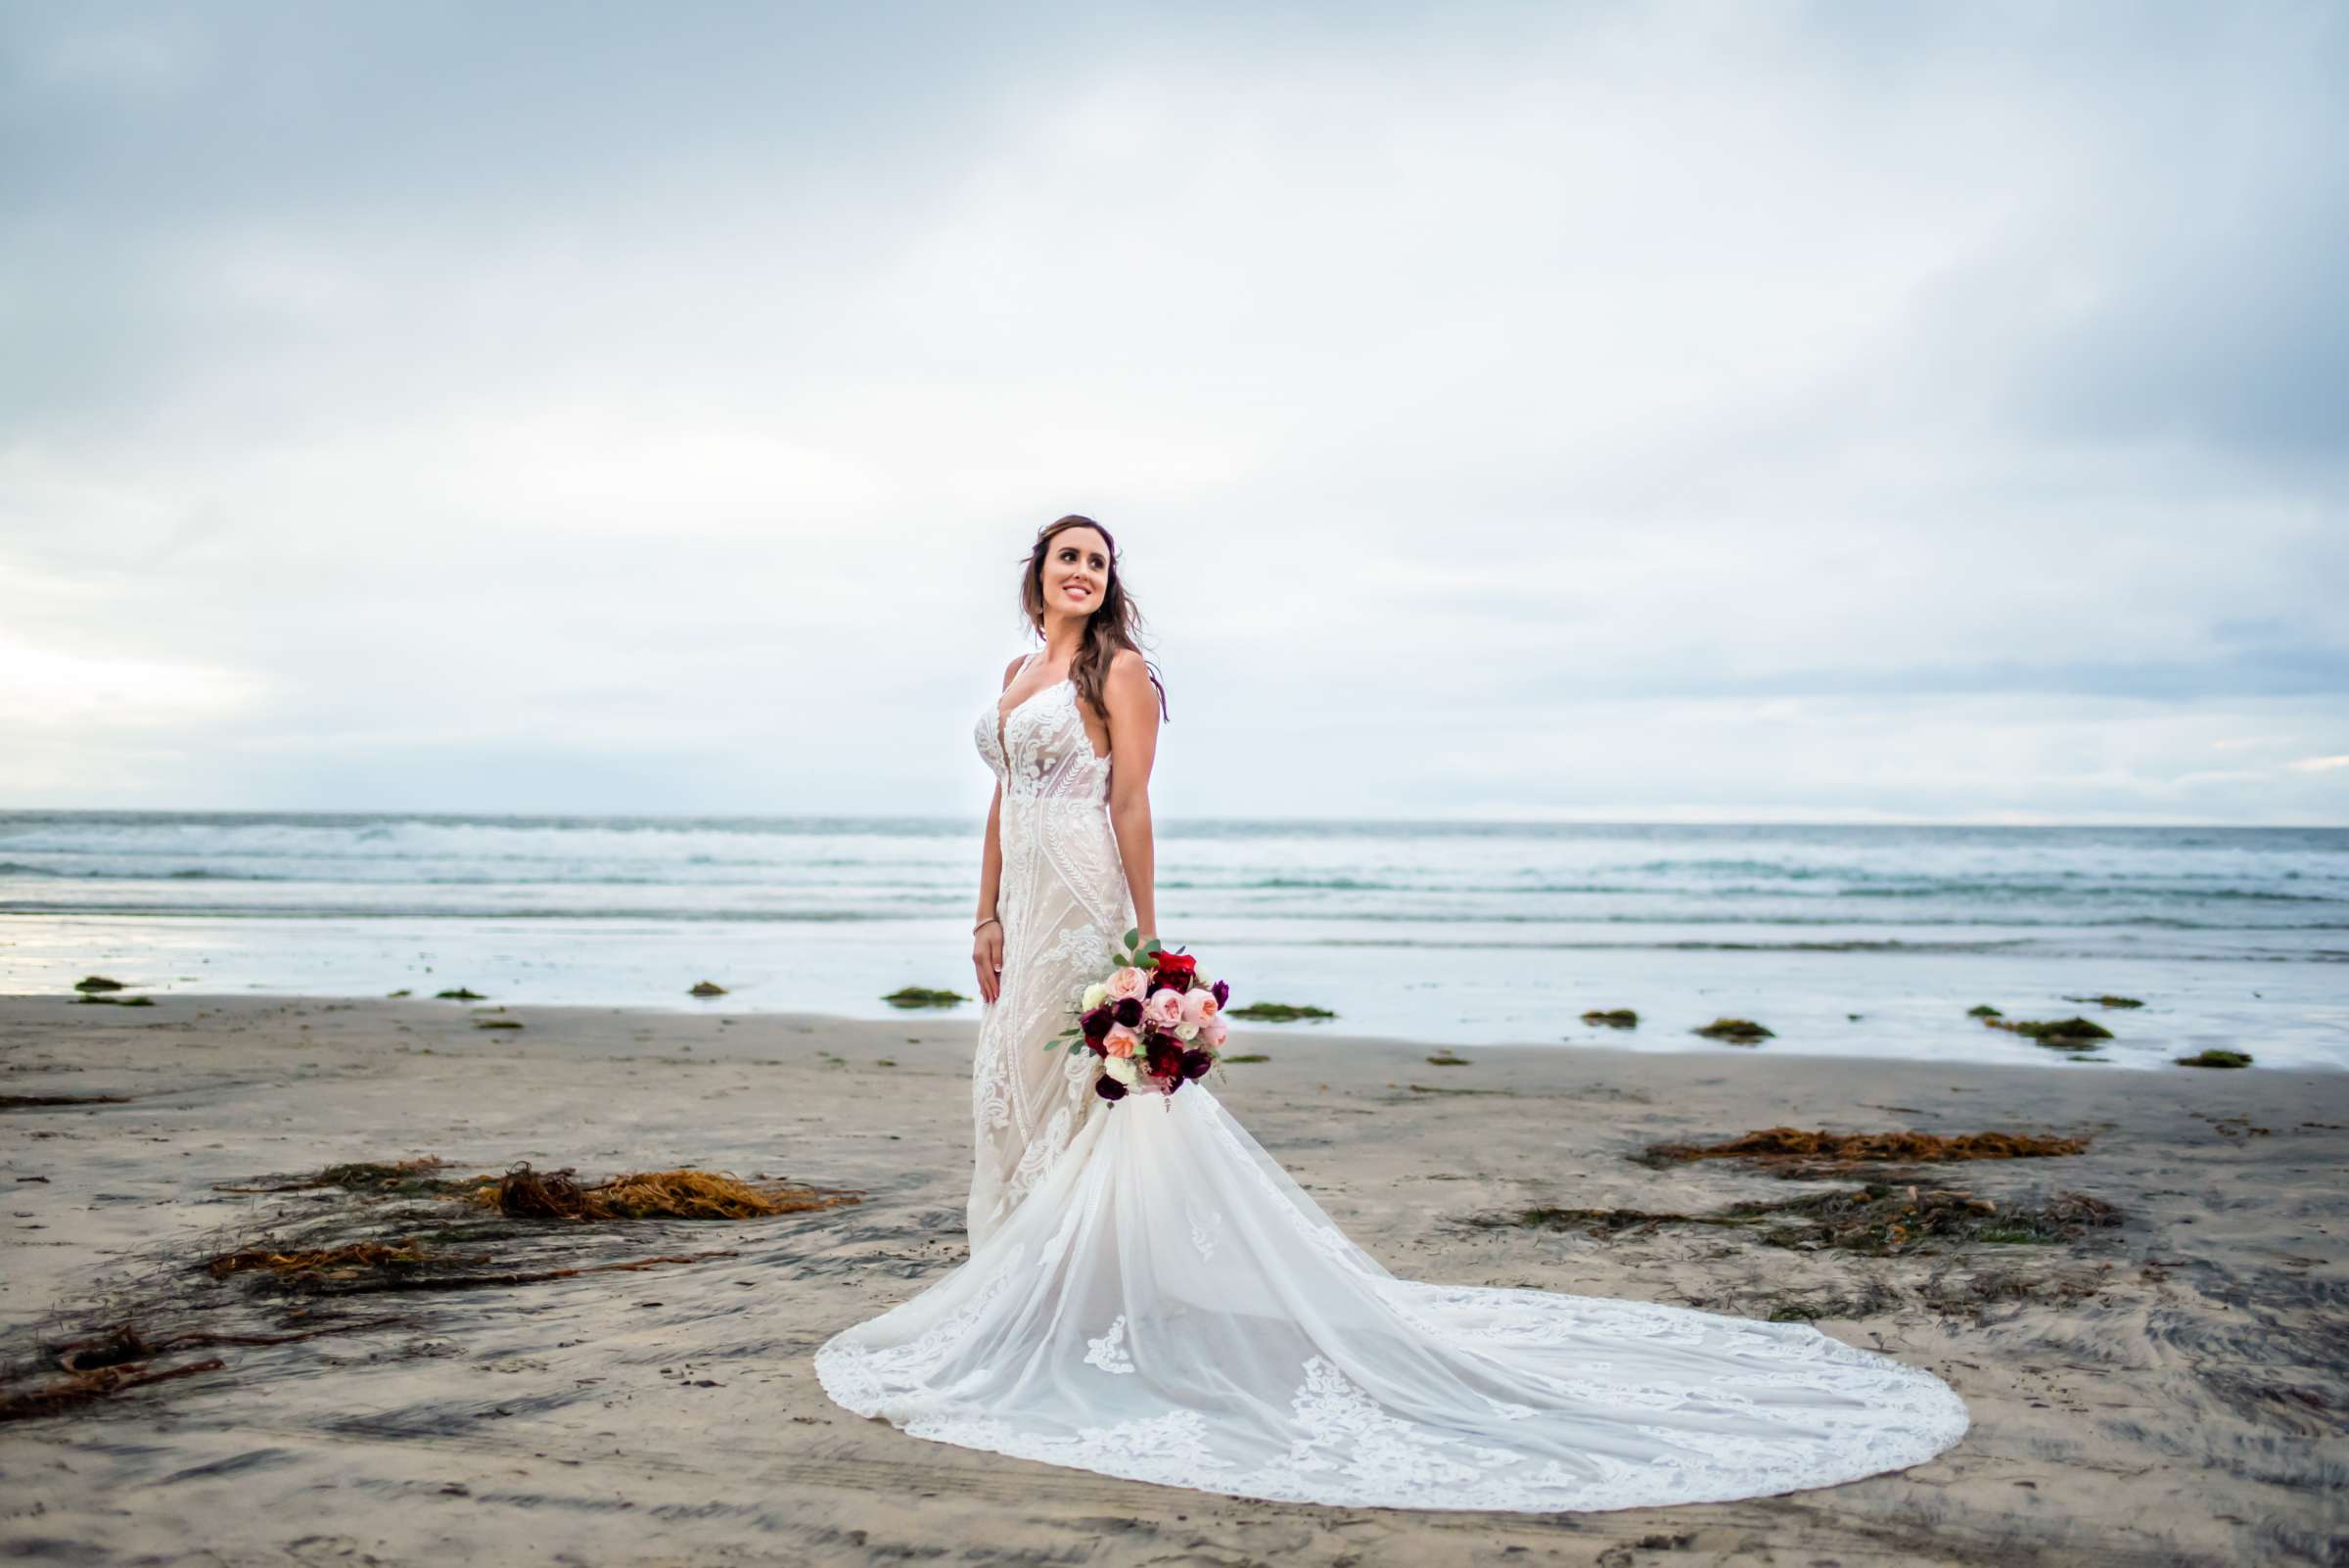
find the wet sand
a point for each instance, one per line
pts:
(2174, 1389)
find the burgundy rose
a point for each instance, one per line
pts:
(1096, 1024)
(1109, 1089)
(1221, 992)
(1127, 1010)
(1195, 1063)
(1166, 1056)
(1176, 981)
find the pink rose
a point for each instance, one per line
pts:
(1128, 982)
(1198, 1007)
(1212, 1033)
(1164, 1008)
(1120, 1041)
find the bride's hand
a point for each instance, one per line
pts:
(987, 958)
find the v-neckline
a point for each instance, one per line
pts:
(1003, 714)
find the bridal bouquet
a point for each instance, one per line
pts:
(1154, 1021)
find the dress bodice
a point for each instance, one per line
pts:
(1044, 752)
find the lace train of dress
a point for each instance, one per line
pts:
(1152, 1297)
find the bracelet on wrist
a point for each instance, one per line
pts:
(991, 920)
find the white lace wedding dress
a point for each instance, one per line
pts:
(1148, 1295)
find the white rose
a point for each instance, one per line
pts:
(1094, 996)
(1122, 1069)
(1186, 1030)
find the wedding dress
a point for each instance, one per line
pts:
(1150, 1296)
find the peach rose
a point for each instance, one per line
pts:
(1164, 1009)
(1120, 1041)
(1212, 1033)
(1198, 1007)
(1128, 982)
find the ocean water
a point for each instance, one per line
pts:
(1454, 932)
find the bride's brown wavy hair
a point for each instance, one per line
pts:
(1114, 624)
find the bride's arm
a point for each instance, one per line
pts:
(1133, 703)
(986, 941)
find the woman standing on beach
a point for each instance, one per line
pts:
(1054, 878)
(1149, 1295)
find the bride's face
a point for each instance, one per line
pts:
(1076, 572)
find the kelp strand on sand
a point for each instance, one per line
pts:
(1877, 1219)
(1776, 1143)
(80, 1388)
(359, 1269)
(407, 1178)
(124, 1342)
(114, 1359)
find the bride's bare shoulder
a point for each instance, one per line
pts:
(1012, 669)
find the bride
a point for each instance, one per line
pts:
(1148, 1294)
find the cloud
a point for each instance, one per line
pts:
(1503, 410)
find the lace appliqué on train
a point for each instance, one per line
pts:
(1109, 1351)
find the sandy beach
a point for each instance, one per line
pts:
(2168, 1388)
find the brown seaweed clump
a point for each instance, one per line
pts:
(1612, 1017)
(350, 1260)
(1776, 1143)
(524, 1193)
(1736, 1031)
(2215, 1057)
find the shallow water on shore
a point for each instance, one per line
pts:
(1454, 932)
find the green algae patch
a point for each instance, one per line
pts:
(1270, 1012)
(922, 997)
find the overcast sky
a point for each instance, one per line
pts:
(1676, 411)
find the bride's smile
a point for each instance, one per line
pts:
(1078, 574)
